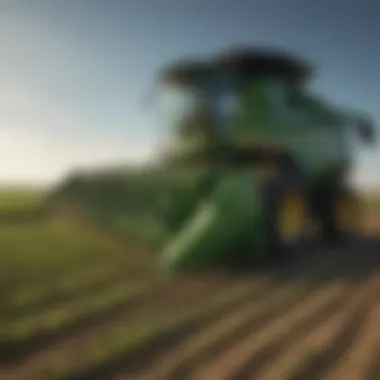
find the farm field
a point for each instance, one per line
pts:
(77, 304)
(18, 204)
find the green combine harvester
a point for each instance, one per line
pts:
(252, 163)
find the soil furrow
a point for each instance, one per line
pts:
(14, 351)
(307, 358)
(71, 295)
(179, 365)
(320, 361)
(162, 302)
(354, 364)
(315, 312)
(228, 363)
(372, 371)
(136, 359)
(18, 351)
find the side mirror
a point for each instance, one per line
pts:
(366, 131)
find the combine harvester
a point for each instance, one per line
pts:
(252, 157)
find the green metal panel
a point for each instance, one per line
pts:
(229, 216)
(311, 133)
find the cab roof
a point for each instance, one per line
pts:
(241, 64)
(249, 62)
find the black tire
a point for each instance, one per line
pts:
(324, 207)
(329, 229)
(349, 231)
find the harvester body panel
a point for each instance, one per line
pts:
(268, 118)
(229, 216)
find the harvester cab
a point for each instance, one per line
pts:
(193, 103)
(217, 101)
(253, 100)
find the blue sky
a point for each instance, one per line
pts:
(74, 73)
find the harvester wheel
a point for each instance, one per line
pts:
(338, 214)
(347, 214)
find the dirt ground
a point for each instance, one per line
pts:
(315, 317)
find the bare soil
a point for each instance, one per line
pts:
(316, 316)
